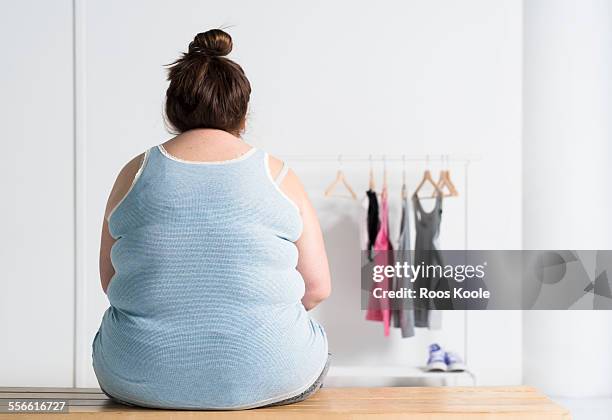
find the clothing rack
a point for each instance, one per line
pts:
(394, 158)
(440, 158)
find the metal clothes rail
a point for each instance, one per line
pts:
(389, 158)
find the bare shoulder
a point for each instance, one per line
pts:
(291, 184)
(123, 182)
(275, 165)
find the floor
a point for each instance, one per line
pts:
(587, 408)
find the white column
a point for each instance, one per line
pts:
(567, 181)
(37, 194)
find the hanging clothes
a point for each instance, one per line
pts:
(364, 240)
(403, 315)
(426, 253)
(380, 309)
(373, 222)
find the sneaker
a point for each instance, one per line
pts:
(436, 361)
(453, 362)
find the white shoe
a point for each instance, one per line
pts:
(454, 362)
(436, 361)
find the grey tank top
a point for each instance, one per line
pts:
(426, 252)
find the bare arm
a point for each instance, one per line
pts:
(120, 189)
(312, 259)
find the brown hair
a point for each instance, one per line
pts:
(207, 90)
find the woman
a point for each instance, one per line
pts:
(211, 254)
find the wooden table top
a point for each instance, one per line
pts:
(521, 403)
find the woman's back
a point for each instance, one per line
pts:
(206, 307)
(210, 254)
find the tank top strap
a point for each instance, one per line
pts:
(281, 175)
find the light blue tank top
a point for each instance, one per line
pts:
(205, 309)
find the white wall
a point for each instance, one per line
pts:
(37, 204)
(331, 77)
(566, 181)
(411, 77)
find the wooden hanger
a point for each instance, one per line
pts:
(427, 178)
(340, 179)
(445, 181)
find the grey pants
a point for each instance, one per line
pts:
(311, 389)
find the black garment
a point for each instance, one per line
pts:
(373, 221)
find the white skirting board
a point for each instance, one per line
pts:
(341, 376)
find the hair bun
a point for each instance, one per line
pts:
(213, 43)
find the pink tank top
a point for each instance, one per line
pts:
(380, 309)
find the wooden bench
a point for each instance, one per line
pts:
(519, 403)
